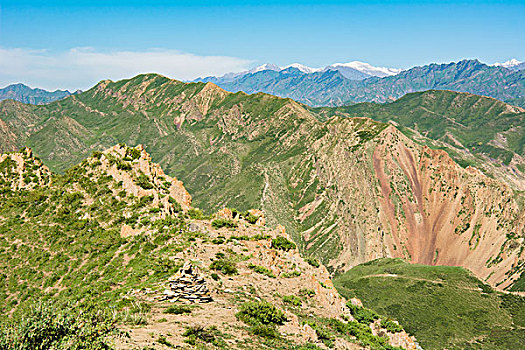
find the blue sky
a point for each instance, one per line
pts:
(93, 40)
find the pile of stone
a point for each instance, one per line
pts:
(187, 286)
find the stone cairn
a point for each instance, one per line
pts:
(188, 286)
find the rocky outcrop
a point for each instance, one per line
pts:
(139, 176)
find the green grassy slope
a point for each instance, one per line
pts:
(472, 120)
(233, 150)
(315, 177)
(474, 130)
(443, 306)
(62, 240)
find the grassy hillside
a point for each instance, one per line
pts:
(347, 189)
(475, 130)
(86, 260)
(443, 306)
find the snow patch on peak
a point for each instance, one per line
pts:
(367, 68)
(509, 64)
(303, 68)
(266, 66)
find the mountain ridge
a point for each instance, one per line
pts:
(116, 234)
(320, 179)
(23, 93)
(334, 89)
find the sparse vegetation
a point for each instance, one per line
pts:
(218, 223)
(225, 266)
(178, 309)
(261, 270)
(261, 312)
(282, 243)
(312, 261)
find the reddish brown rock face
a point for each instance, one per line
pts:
(442, 214)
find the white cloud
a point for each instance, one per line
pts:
(81, 68)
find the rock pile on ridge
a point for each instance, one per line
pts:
(188, 286)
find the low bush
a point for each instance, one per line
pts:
(292, 274)
(177, 208)
(391, 326)
(282, 244)
(260, 312)
(307, 292)
(218, 223)
(362, 314)
(261, 270)
(178, 310)
(162, 340)
(144, 182)
(264, 331)
(45, 326)
(252, 219)
(199, 332)
(312, 261)
(227, 267)
(292, 299)
(195, 213)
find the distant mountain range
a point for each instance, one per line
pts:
(23, 93)
(512, 64)
(342, 84)
(354, 70)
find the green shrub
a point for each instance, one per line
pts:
(143, 181)
(227, 267)
(292, 299)
(215, 277)
(307, 292)
(292, 274)
(312, 261)
(252, 219)
(262, 270)
(177, 208)
(391, 326)
(162, 340)
(283, 244)
(133, 153)
(195, 213)
(178, 310)
(260, 312)
(265, 331)
(97, 154)
(362, 314)
(200, 333)
(45, 326)
(122, 165)
(218, 223)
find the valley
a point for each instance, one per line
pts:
(347, 189)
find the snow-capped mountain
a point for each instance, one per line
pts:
(354, 70)
(512, 64)
(266, 66)
(367, 69)
(303, 68)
